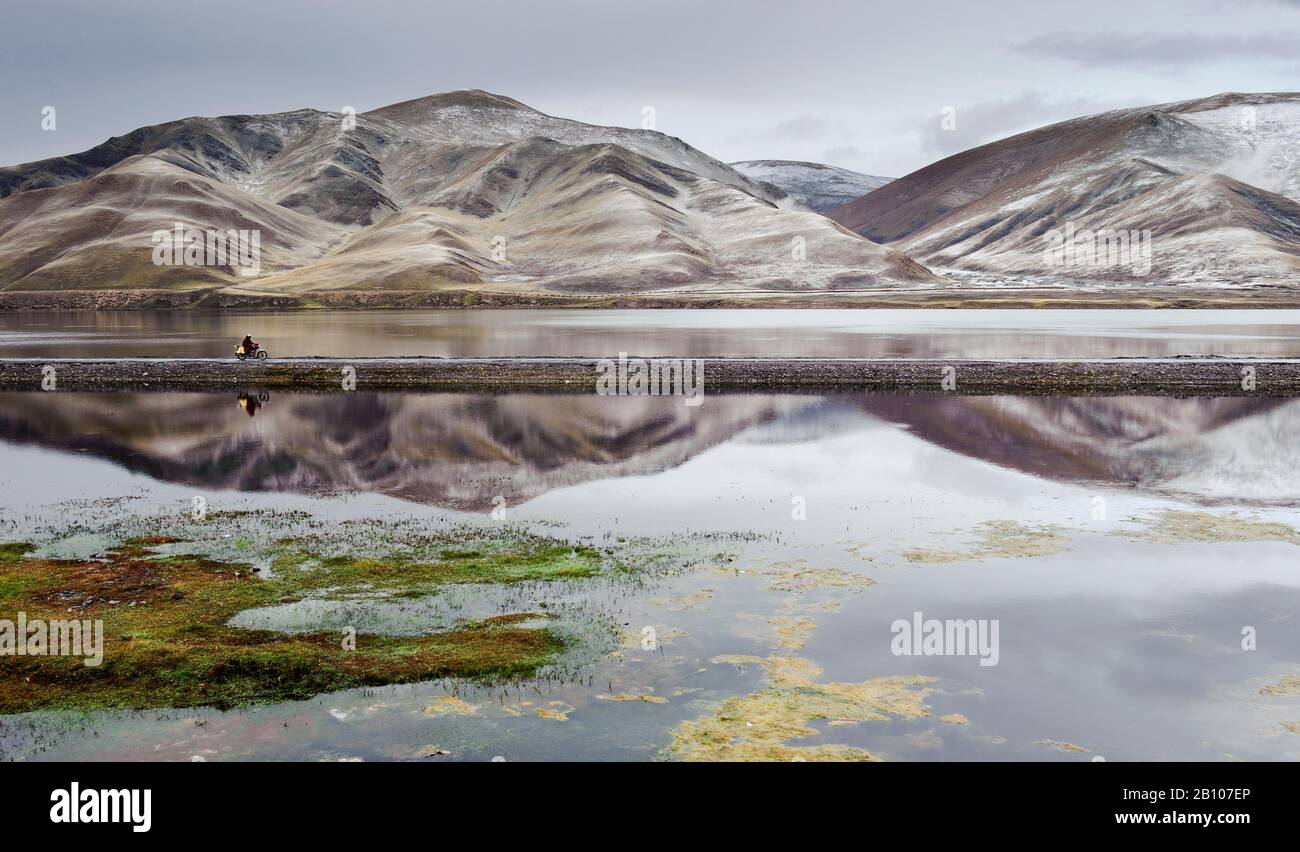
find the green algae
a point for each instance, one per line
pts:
(13, 551)
(168, 642)
(513, 562)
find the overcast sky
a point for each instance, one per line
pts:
(855, 83)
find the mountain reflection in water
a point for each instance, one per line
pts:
(460, 450)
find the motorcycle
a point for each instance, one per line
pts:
(258, 352)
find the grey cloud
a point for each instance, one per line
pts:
(799, 129)
(782, 79)
(851, 157)
(1148, 50)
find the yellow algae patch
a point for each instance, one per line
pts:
(783, 577)
(1063, 746)
(681, 603)
(790, 633)
(448, 704)
(759, 726)
(796, 606)
(1176, 527)
(1289, 685)
(1000, 540)
(954, 719)
(628, 696)
(557, 711)
(790, 671)
(737, 660)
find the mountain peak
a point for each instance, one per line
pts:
(416, 198)
(464, 98)
(819, 186)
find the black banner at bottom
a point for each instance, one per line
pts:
(142, 802)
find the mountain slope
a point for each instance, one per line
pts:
(86, 234)
(1190, 448)
(1216, 181)
(460, 451)
(466, 190)
(820, 187)
(451, 450)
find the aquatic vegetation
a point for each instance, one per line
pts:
(12, 551)
(168, 641)
(793, 577)
(1288, 685)
(1063, 746)
(1000, 540)
(738, 660)
(1177, 527)
(450, 704)
(511, 562)
(558, 711)
(760, 725)
(627, 696)
(681, 603)
(792, 634)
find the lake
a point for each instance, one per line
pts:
(1126, 566)
(890, 333)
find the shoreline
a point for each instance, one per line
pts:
(218, 299)
(1211, 376)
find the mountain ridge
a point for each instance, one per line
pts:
(479, 195)
(458, 190)
(987, 209)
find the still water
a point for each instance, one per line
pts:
(1122, 545)
(697, 333)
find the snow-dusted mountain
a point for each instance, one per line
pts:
(1239, 449)
(466, 191)
(818, 186)
(1216, 181)
(1234, 450)
(451, 450)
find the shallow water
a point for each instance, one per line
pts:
(895, 333)
(1118, 633)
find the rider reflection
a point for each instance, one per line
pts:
(251, 402)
